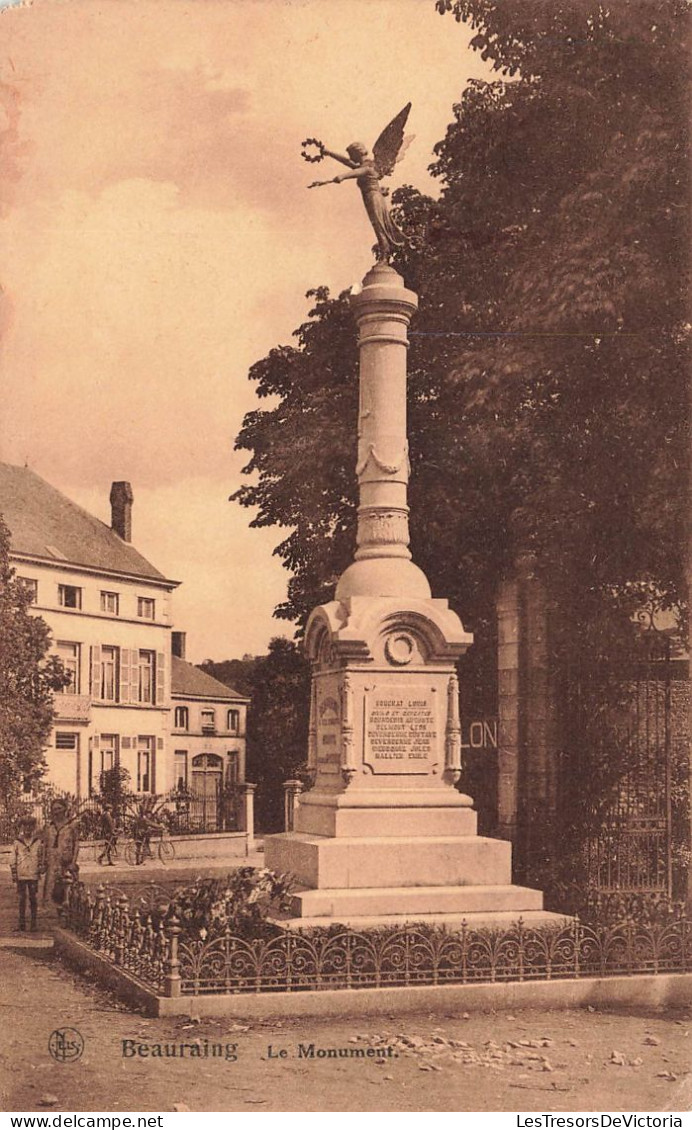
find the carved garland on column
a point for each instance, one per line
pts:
(348, 766)
(387, 468)
(453, 731)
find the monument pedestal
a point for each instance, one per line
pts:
(384, 835)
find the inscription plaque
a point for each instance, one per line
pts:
(401, 729)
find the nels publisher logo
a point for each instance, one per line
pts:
(66, 1045)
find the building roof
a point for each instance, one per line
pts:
(44, 523)
(189, 681)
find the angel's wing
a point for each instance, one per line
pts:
(390, 143)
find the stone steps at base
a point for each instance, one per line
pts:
(424, 900)
(354, 862)
(500, 920)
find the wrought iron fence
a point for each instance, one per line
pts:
(183, 812)
(159, 952)
(191, 812)
(127, 937)
(620, 826)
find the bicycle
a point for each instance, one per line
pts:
(136, 851)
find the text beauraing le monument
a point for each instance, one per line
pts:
(384, 835)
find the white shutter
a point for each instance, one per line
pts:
(125, 683)
(160, 678)
(95, 667)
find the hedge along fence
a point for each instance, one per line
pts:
(172, 962)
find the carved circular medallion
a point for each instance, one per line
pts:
(399, 649)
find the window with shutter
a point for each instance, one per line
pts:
(160, 679)
(146, 684)
(110, 671)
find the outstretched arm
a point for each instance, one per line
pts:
(340, 157)
(352, 174)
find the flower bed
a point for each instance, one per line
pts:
(194, 946)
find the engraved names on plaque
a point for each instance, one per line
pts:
(401, 728)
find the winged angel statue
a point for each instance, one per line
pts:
(369, 171)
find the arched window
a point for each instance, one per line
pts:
(207, 763)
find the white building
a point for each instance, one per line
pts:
(208, 737)
(109, 612)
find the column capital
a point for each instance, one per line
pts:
(384, 293)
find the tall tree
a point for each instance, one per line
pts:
(28, 676)
(547, 390)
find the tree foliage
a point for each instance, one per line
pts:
(304, 450)
(27, 679)
(547, 387)
(277, 725)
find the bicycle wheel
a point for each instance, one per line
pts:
(166, 851)
(131, 853)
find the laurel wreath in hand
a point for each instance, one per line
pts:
(312, 157)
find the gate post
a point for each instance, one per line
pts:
(171, 965)
(507, 608)
(527, 738)
(292, 790)
(248, 816)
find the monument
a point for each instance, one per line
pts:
(384, 835)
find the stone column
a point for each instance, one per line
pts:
(292, 790)
(527, 747)
(508, 631)
(383, 566)
(249, 816)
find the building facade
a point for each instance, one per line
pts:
(207, 739)
(110, 616)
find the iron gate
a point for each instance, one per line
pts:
(624, 746)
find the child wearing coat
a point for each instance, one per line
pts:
(27, 866)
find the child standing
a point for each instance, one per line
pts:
(110, 835)
(27, 867)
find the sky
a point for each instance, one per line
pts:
(157, 238)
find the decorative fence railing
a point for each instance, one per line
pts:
(186, 813)
(159, 952)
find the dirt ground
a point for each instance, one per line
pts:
(534, 1061)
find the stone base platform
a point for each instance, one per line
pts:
(414, 812)
(388, 861)
(414, 901)
(497, 920)
(386, 880)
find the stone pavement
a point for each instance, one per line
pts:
(444, 1061)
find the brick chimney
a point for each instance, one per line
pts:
(178, 644)
(121, 499)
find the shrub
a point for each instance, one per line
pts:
(240, 902)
